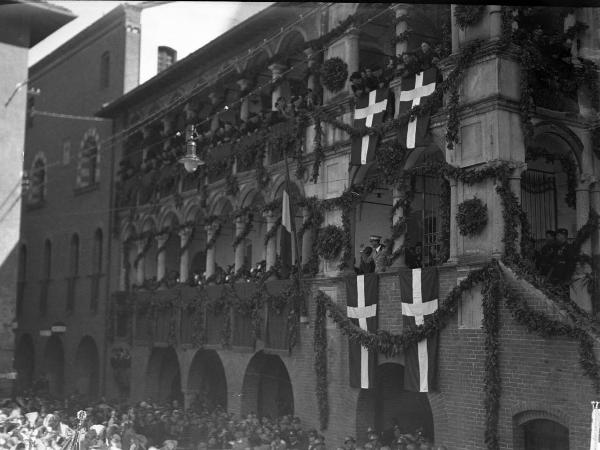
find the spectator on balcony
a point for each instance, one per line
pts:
(563, 261)
(544, 258)
(370, 79)
(358, 85)
(426, 57)
(414, 256)
(367, 263)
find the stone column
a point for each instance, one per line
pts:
(401, 9)
(140, 272)
(455, 30)
(495, 13)
(310, 62)
(277, 72)
(210, 252)
(453, 259)
(124, 272)
(161, 257)
(272, 244)
(240, 223)
(583, 208)
(244, 85)
(307, 238)
(397, 195)
(353, 62)
(184, 257)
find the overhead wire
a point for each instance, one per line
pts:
(184, 99)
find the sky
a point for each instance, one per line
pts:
(184, 26)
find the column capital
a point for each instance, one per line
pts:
(161, 239)
(185, 233)
(277, 69)
(518, 170)
(585, 181)
(270, 215)
(400, 8)
(243, 83)
(212, 227)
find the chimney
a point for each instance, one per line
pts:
(166, 57)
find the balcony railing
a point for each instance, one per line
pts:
(169, 317)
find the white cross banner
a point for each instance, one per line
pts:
(414, 89)
(370, 111)
(419, 293)
(362, 297)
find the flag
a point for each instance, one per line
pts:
(362, 298)
(285, 242)
(370, 111)
(419, 295)
(415, 88)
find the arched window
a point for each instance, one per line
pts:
(46, 272)
(88, 168)
(96, 269)
(22, 277)
(37, 189)
(73, 272)
(537, 429)
(105, 70)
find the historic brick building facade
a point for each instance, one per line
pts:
(188, 318)
(64, 250)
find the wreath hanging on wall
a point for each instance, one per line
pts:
(468, 15)
(334, 73)
(471, 217)
(330, 242)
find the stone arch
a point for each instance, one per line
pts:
(24, 362)
(279, 184)
(191, 211)
(388, 402)
(540, 428)
(54, 365)
(169, 218)
(267, 389)
(562, 133)
(87, 368)
(297, 35)
(163, 375)
(207, 381)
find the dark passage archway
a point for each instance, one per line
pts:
(163, 376)
(389, 403)
(24, 363)
(206, 380)
(54, 366)
(546, 434)
(87, 368)
(267, 389)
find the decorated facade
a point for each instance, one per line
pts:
(425, 151)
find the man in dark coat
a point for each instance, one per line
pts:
(564, 259)
(546, 255)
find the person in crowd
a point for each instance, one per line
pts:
(563, 261)
(544, 258)
(414, 256)
(367, 263)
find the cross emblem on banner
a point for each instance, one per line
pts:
(414, 95)
(367, 113)
(419, 309)
(362, 313)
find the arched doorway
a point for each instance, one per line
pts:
(206, 380)
(54, 366)
(87, 368)
(540, 430)
(388, 404)
(24, 363)
(163, 377)
(267, 389)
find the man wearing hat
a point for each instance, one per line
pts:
(564, 259)
(349, 443)
(380, 254)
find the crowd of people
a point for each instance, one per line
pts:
(36, 422)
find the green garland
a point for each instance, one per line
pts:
(468, 15)
(248, 226)
(232, 186)
(318, 149)
(471, 217)
(320, 351)
(334, 73)
(272, 232)
(331, 242)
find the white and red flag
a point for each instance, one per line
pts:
(369, 112)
